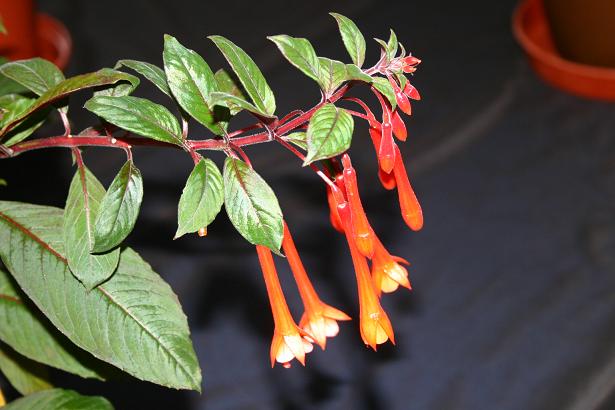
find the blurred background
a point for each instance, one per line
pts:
(513, 304)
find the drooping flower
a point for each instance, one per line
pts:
(399, 127)
(375, 325)
(288, 339)
(409, 204)
(411, 91)
(402, 100)
(360, 228)
(387, 272)
(319, 319)
(333, 215)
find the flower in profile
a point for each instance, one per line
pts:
(387, 271)
(409, 204)
(319, 319)
(375, 325)
(289, 340)
(360, 228)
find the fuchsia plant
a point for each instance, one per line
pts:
(105, 304)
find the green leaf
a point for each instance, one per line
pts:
(36, 74)
(227, 84)
(355, 73)
(3, 182)
(352, 38)
(384, 86)
(2, 27)
(229, 100)
(119, 209)
(102, 77)
(201, 199)
(151, 72)
(329, 133)
(124, 87)
(82, 206)
(392, 45)
(24, 328)
(58, 399)
(300, 53)
(25, 128)
(332, 74)
(191, 81)
(25, 375)
(133, 321)
(298, 138)
(252, 205)
(249, 75)
(138, 115)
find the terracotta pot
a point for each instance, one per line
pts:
(532, 30)
(32, 34)
(584, 30)
(19, 18)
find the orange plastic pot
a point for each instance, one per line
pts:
(584, 30)
(533, 32)
(32, 34)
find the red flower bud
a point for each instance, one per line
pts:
(411, 91)
(361, 230)
(411, 60)
(410, 207)
(399, 128)
(400, 97)
(386, 150)
(334, 216)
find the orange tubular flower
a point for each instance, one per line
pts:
(387, 272)
(288, 339)
(409, 204)
(319, 319)
(361, 230)
(375, 325)
(333, 215)
(399, 128)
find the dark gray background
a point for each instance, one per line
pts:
(514, 289)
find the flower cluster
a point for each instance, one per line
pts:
(377, 271)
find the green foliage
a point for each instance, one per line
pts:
(25, 329)
(150, 71)
(384, 87)
(82, 205)
(25, 375)
(329, 133)
(35, 74)
(119, 209)
(300, 53)
(227, 85)
(332, 74)
(58, 399)
(252, 205)
(201, 199)
(352, 38)
(105, 76)
(249, 75)
(138, 115)
(191, 81)
(133, 321)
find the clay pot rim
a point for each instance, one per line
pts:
(549, 57)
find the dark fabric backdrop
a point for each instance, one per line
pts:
(514, 288)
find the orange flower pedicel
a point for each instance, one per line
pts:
(319, 319)
(288, 339)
